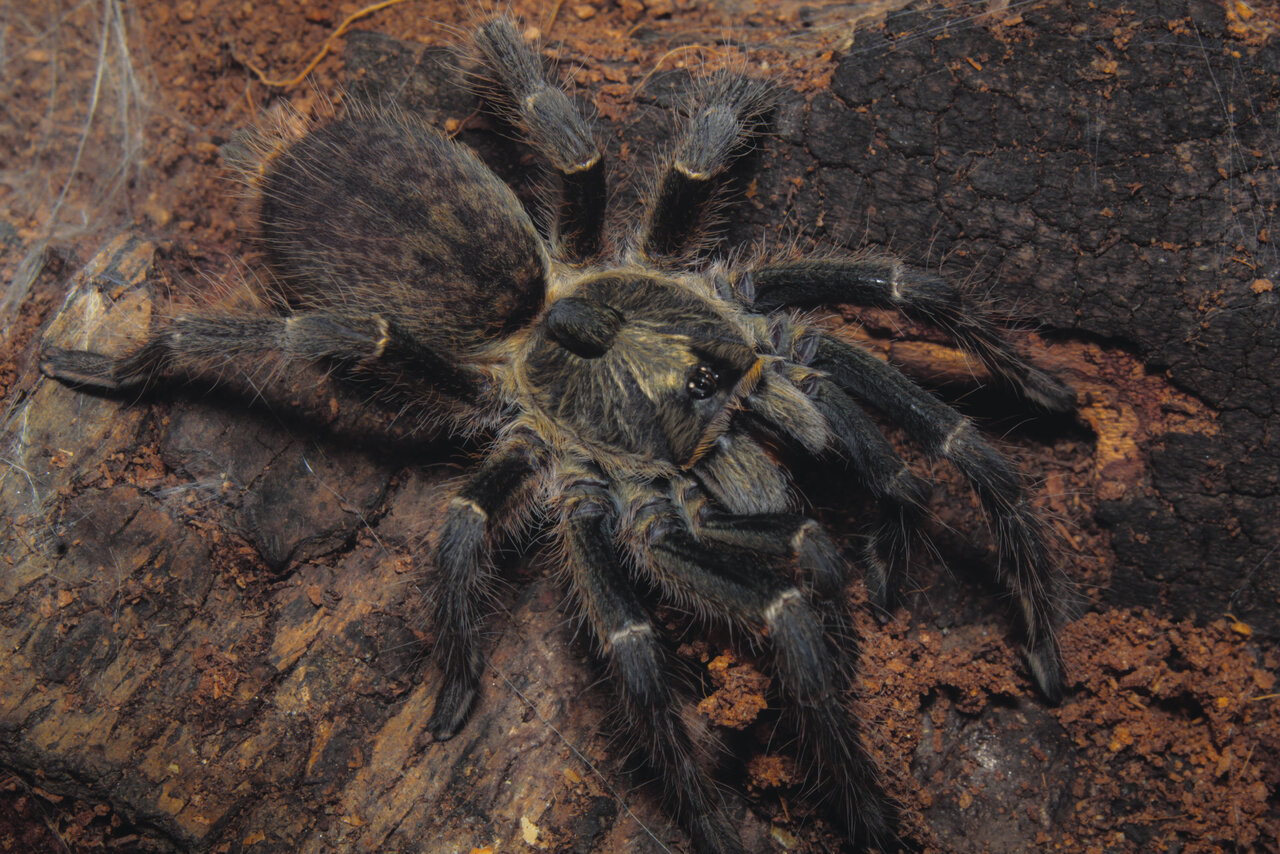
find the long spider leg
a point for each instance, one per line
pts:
(1025, 568)
(885, 283)
(201, 344)
(637, 662)
(806, 407)
(719, 581)
(519, 88)
(903, 496)
(724, 115)
(461, 586)
(748, 484)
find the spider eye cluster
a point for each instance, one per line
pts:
(703, 382)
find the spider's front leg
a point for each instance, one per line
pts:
(637, 661)
(742, 588)
(1025, 568)
(203, 345)
(888, 478)
(494, 499)
(885, 283)
(790, 544)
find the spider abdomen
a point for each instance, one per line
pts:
(380, 213)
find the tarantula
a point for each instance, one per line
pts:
(636, 400)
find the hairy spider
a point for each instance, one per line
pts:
(635, 399)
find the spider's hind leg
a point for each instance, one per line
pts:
(202, 345)
(724, 115)
(518, 86)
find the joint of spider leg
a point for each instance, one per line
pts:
(655, 518)
(712, 134)
(384, 336)
(804, 346)
(962, 428)
(586, 498)
(551, 116)
(780, 333)
(721, 284)
(466, 504)
(628, 634)
(820, 561)
(780, 603)
(691, 498)
(791, 340)
(694, 174)
(586, 507)
(805, 532)
(570, 167)
(895, 282)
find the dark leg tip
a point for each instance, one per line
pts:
(453, 706)
(78, 367)
(882, 610)
(1048, 671)
(882, 591)
(1049, 393)
(713, 834)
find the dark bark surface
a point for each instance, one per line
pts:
(210, 607)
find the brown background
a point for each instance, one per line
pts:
(208, 617)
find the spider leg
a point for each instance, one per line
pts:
(200, 344)
(807, 408)
(724, 115)
(1024, 568)
(461, 587)
(790, 540)
(902, 495)
(720, 581)
(884, 283)
(521, 91)
(748, 514)
(637, 663)
(786, 537)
